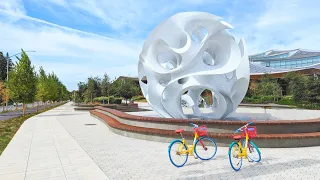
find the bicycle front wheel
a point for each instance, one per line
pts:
(253, 152)
(205, 148)
(234, 159)
(178, 154)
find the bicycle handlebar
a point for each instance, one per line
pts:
(240, 129)
(194, 125)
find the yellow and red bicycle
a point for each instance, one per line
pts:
(244, 149)
(203, 147)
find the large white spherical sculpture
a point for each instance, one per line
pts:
(190, 52)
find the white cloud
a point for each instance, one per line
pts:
(74, 55)
(285, 24)
(58, 2)
(71, 54)
(12, 6)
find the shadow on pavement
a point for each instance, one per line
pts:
(48, 115)
(260, 169)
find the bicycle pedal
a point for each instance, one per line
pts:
(196, 157)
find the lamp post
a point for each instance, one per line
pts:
(8, 58)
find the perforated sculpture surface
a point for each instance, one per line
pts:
(186, 54)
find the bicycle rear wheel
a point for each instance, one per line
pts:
(235, 161)
(205, 148)
(177, 153)
(253, 152)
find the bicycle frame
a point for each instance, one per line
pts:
(190, 148)
(243, 150)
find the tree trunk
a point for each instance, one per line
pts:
(24, 107)
(16, 106)
(126, 101)
(37, 106)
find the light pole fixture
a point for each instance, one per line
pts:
(8, 58)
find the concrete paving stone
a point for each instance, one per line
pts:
(43, 154)
(81, 168)
(97, 175)
(45, 174)
(14, 176)
(11, 160)
(49, 162)
(36, 150)
(73, 160)
(16, 168)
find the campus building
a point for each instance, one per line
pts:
(289, 59)
(277, 63)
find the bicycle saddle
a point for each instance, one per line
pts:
(179, 130)
(237, 137)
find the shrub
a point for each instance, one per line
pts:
(137, 98)
(118, 100)
(112, 100)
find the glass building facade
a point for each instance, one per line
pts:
(286, 59)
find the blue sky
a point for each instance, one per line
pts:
(81, 38)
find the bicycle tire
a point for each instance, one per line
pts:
(170, 157)
(199, 143)
(251, 150)
(231, 156)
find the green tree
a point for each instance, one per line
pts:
(4, 94)
(126, 88)
(105, 85)
(82, 87)
(53, 87)
(314, 89)
(297, 86)
(23, 81)
(267, 86)
(93, 89)
(3, 66)
(42, 87)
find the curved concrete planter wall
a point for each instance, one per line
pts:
(270, 134)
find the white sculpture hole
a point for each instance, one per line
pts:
(184, 102)
(199, 34)
(179, 41)
(168, 60)
(208, 59)
(144, 80)
(206, 101)
(183, 80)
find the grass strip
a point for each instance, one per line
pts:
(8, 128)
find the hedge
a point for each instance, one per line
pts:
(112, 100)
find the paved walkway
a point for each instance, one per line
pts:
(67, 144)
(42, 149)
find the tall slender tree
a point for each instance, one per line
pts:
(42, 87)
(22, 81)
(53, 86)
(105, 85)
(4, 94)
(3, 66)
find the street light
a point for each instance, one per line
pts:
(8, 58)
